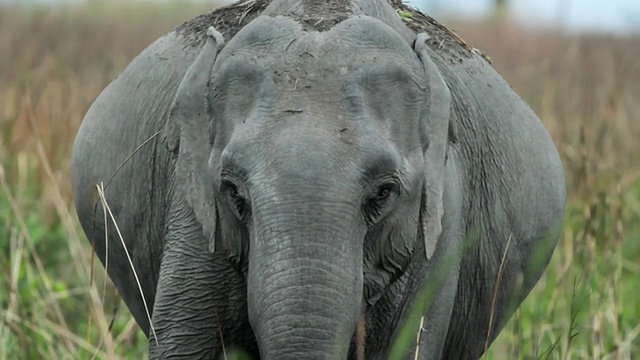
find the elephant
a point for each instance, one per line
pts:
(307, 179)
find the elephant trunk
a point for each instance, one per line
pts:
(304, 289)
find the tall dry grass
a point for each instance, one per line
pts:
(55, 62)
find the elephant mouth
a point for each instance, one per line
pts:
(380, 279)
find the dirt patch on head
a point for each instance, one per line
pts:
(230, 19)
(323, 15)
(443, 40)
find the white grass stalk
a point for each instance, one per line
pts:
(135, 274)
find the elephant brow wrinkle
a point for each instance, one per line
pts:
(385, 168)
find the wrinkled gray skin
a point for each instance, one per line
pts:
(303, 178)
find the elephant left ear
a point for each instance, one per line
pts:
(437, 130)
(187, 135)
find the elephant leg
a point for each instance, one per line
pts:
(433, 332)
(427, 312)
(442, 274)
(433, 285)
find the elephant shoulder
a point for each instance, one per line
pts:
(117, 142)
(511, 170)
(511, 161)
(119, 146)
(513, 203)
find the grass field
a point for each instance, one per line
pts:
(586, 89)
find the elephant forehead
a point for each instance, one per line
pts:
(281, 44)
(310, 145)
(301, 81)
(300, 153)
(363, 34)
(317, 69)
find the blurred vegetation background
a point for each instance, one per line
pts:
(56, 303)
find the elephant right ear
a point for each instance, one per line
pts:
(187, 133)
(437, 129)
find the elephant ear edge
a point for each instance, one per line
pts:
(438, 129)
(185, 135)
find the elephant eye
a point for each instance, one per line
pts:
(383, 193)
(234, 198)
(376, 205)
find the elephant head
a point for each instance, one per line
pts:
(316, 161)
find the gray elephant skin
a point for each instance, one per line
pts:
(283, 172)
